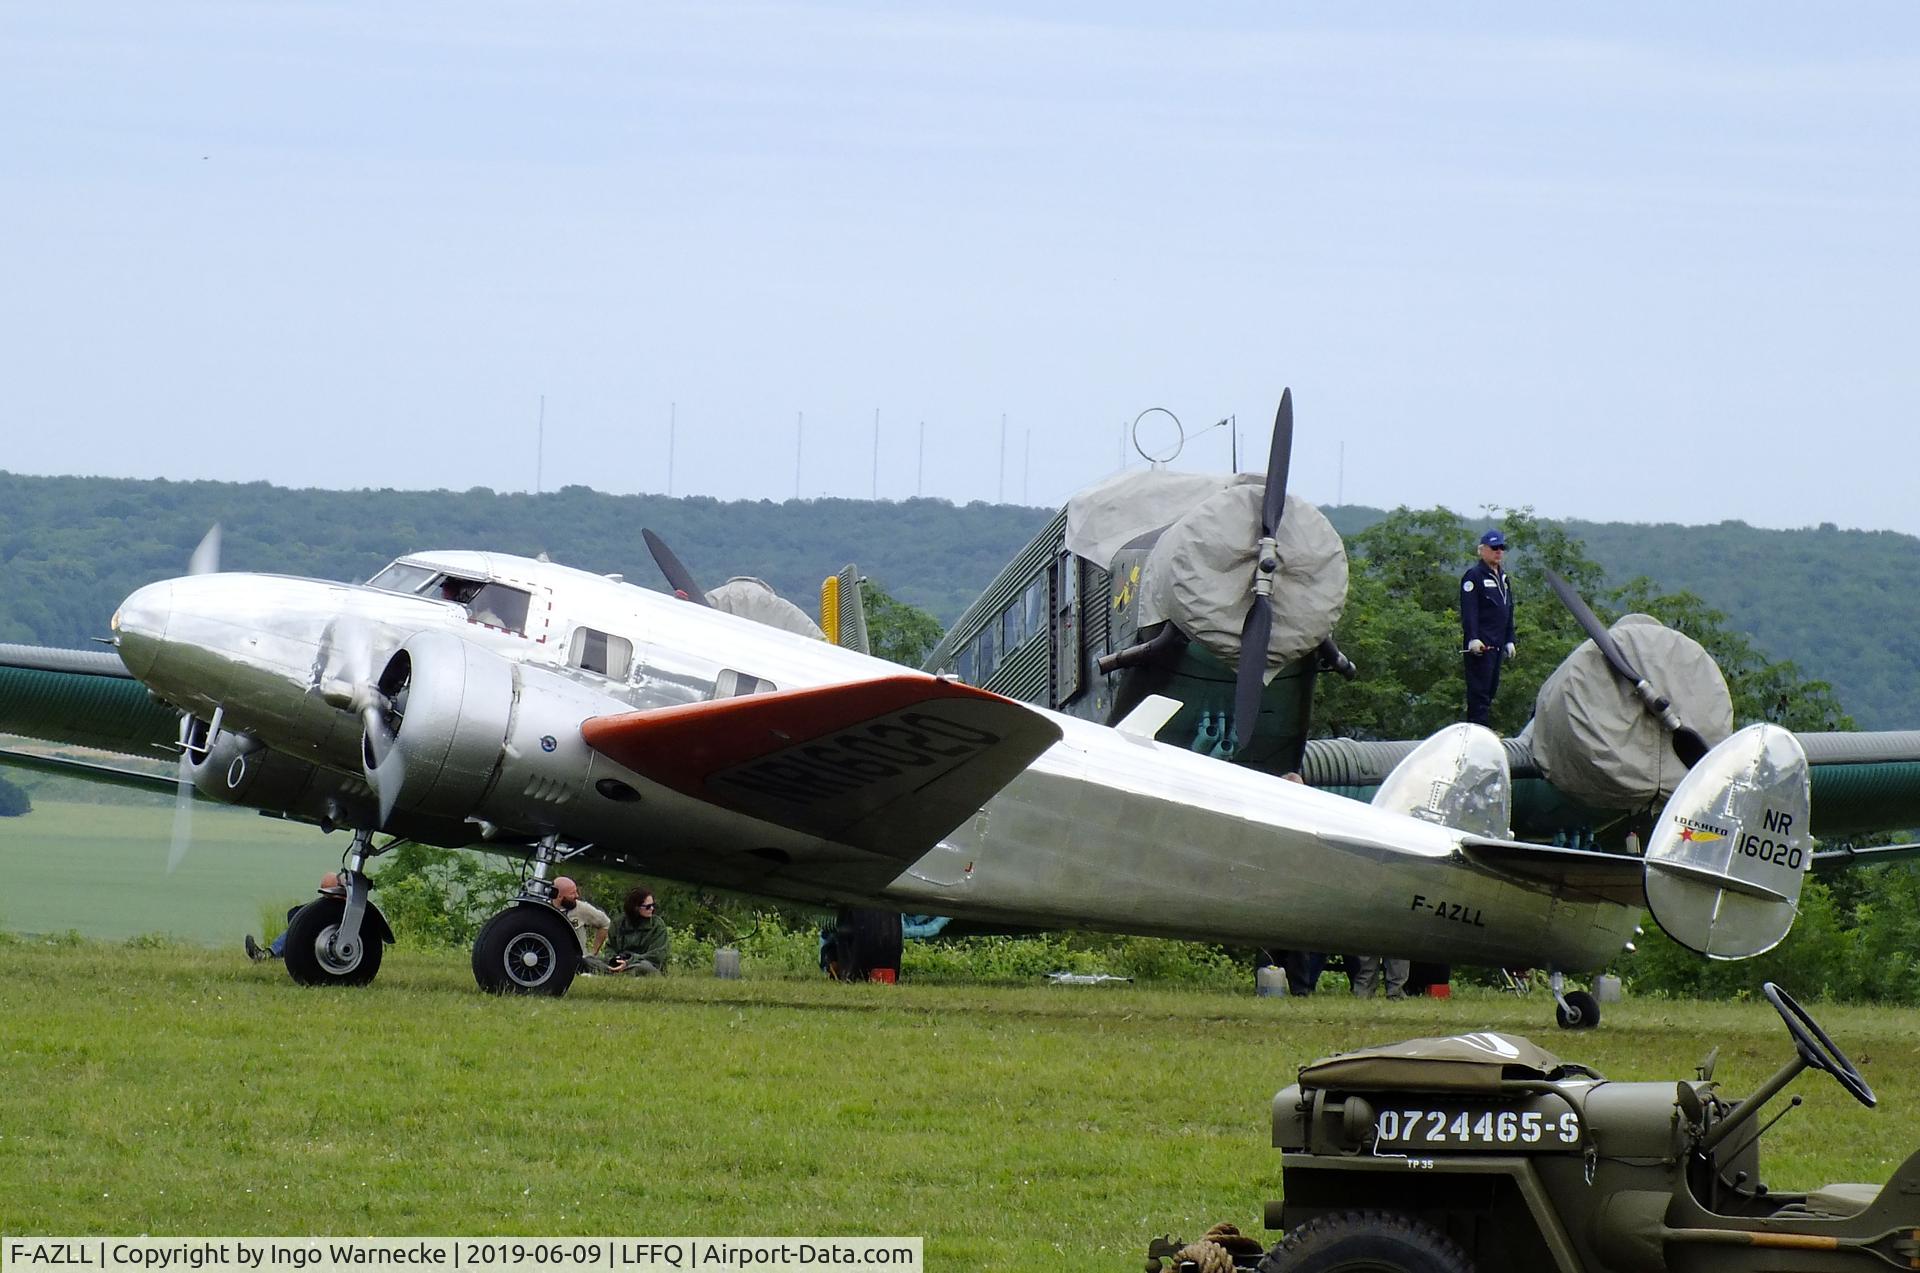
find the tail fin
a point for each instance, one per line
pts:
(1458, 778)
(843, 613)
(1731, 850)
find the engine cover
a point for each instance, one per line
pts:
(479, 736)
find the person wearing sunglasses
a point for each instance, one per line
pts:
(1486, 623)
(641, 941)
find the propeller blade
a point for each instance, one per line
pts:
(1591, 625)
(1250, 679)
(1688, 744)
(206, 557)
(182, 815)
(389, 778)
(679, 578)
(1279, 460)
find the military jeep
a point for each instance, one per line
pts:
(1484, 1152)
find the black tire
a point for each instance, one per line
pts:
(1366, 1242)
(865, 940)
(527, 949)
(1582, 1011)
(310, 958)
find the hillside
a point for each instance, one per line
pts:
(1837, 602)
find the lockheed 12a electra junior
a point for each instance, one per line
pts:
(520, 706)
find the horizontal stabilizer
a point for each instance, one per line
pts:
(1827, 861)
(1584, 873)
(889, 765)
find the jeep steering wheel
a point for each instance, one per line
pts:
(1815, 1048)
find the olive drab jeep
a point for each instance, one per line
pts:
(1483, 1152)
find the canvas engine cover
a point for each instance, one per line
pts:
(1200, 575)
(1597, 743)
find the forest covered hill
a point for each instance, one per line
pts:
(1839, 603)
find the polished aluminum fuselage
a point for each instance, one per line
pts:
(1103, 831)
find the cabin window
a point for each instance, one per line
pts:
(400, 577)
(986, 657)
(963, 663)
(1036, 618)
(1012, 630)
(601, 653)
(732, 684)
(493, 604)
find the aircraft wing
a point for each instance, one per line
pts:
(83, 698)
(888, 765)
(1584, 873)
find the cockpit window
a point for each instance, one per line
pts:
(493, 604)
(400, 577)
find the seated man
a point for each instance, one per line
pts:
(329, 883)
(641, 942)
(582, 914)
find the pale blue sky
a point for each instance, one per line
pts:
(1651, 262)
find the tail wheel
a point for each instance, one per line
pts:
(1580, 1012)
(312, 957)
(1366, 1242)
(527, 949)
(865, 940)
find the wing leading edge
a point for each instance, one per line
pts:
(890, 765)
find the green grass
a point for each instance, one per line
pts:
(170, 1090)
(101, 870)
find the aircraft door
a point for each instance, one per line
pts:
(1068, 656)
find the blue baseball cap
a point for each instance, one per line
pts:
(1494, 539)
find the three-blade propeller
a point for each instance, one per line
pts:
(1688, 745)
(1250, 679)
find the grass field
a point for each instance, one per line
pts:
(101, 870)
(172, 1090)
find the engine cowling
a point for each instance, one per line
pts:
(474, 735)
(236, 768)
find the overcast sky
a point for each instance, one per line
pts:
(1639, 262)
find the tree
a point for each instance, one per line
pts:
(898, 630)
(1402, 628)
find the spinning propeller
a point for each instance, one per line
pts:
(346, 678)
(1688, 745)
(204, 561)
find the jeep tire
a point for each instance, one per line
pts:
(1366, 1242)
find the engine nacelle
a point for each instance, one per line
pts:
(477, 736)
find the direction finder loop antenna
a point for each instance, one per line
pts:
(1179, 437)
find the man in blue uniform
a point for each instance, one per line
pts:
(1486, 623)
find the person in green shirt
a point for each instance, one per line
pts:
(641, 944)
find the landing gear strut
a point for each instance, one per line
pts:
(338, 938)
(530, 948)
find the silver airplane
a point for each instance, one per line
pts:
(524, 707)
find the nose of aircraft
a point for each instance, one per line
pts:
(140, 626)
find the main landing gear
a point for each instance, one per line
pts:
(338, 938)
(530, 947)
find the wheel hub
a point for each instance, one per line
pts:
(530, 959)
(337, 960)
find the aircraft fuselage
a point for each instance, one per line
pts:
(1103, 831)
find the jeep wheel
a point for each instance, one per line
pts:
(1366, 1242)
